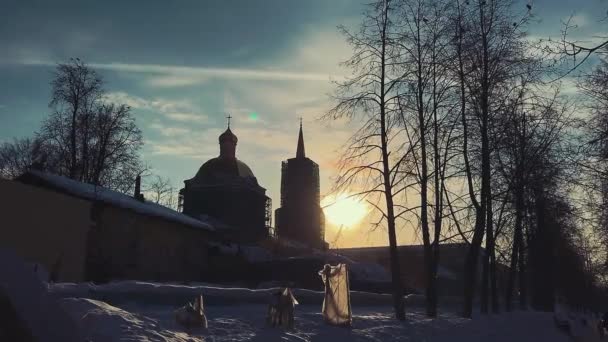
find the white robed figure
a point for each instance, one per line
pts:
(336, 305)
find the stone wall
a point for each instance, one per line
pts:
(45, 228)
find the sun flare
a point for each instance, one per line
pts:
(343, 210)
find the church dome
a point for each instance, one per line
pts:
(226, 168)
(222, 168)
(228, 136)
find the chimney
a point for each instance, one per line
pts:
(138, 195)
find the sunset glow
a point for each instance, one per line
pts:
(342, 210)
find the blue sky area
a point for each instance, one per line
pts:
(182, 65)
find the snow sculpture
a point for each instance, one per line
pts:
(192, 315)
(281, 309)
(336, 305)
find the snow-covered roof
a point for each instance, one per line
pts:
(92, 192)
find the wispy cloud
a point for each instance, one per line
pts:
(188, 145)
(170, 81)
(173, 75)
(177, 110)
(204, 73)
(186, 117)
(121, 97)
(169, 131)
(174, 149)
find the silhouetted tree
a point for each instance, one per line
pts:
(594, 147)
(428, 118)
(20, 155)
(76, 89)
(159, 190)
(530, 154)
(578, 52)
(489, 51)
(85, 137)
(369, 95)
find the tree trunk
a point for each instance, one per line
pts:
(72, 171)
(515, 249)
(439, 177)
(523, 293)
(84, 176)
(481, 212)
(473, 252)
(487, 288)
(470, 266)
(485, 280)
(493, 281)
(424, 222)
(388, 191)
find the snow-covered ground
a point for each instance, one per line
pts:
(143, 318)
(136, 322)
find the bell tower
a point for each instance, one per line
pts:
(300, 217)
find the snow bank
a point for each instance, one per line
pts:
(103, 322)
(28, 296)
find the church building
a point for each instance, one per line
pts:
(300, 218)
(225, 190)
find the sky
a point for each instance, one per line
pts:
(183, 66)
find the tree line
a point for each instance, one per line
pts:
(464, 135)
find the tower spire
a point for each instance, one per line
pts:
(300, 151)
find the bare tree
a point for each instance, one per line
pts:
(160, 191)
(532, 125)
(489, 51)
(84, 138)
(19, 156)
(75, 90)
(93, 141)
(114, 149)
(594, 147)
(371, 162)
(427, 114)
(567, 50)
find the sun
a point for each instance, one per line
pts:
(344, 210)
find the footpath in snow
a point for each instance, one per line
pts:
(144, 312)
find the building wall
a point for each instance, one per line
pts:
(411, 262)
(134, 246)
(240, 207)
(44, 227)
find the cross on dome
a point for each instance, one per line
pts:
(229, 117)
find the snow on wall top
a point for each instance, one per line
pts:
(155, 293)
(92, 192)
